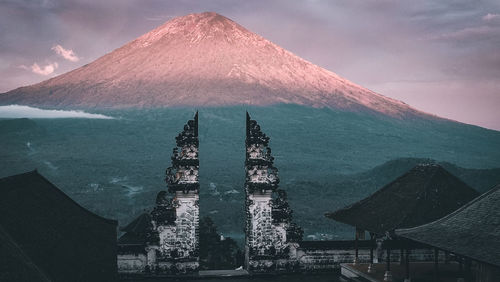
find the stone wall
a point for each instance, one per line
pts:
(132, 263)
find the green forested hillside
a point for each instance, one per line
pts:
(326, 158)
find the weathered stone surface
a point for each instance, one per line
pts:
(166, 242)
(269, 230)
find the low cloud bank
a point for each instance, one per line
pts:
(18, 111)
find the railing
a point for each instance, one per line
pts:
(362, 244)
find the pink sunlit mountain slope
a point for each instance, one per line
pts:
(202, 60)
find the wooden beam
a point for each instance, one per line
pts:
(436, 264)
(388, 263)
(371, 269)
(356, 246)
(407, 263)
(388, 274)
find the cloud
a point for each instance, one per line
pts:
(45, 70)
(489, 17)
(68, 54)
(18, 111)
(469, 32)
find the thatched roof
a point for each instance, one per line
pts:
(423, 194)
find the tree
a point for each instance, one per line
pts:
(214, 252)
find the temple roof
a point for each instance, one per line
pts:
(130, 238)
(136, 231)
(472, 231)
(138, 225)
(423, 194)
(52, 234)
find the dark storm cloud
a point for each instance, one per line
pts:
(422, 52)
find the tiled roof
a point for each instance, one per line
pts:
(423, 194)
(472, 231)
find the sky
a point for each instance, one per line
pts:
(441, 57)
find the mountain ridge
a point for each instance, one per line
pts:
(203, 60)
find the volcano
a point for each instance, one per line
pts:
(202, 60)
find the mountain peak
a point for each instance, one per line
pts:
(212, 16)
(205, 19)
(203, 59)
(195, 28)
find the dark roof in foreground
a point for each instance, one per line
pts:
(472, 231)
(423, 194)
(16, 265)
(51, 234)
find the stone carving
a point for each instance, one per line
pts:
(178, 239)
(165, 241)
(269, 228)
